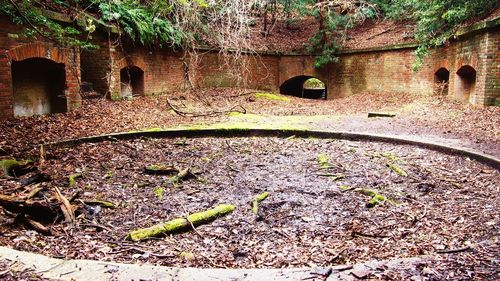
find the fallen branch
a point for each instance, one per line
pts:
(451, 251)
(380, 114)
(101, 203)
(160, 169)
(398, 170)
(208, 114)
(67, 209)
(181, 224)
(255, 202)
(183, 174)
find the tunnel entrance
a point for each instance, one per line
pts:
(38, 87)
(441, 81)
(307, 87)
(132, 81)
(465, 82)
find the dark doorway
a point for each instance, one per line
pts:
(132, 81)
(304, 87)
(38, 86)
(441, 81)
(466, 82)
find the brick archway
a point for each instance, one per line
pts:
(38, 50)
(295, 87)
(131, 61)
(465, 82)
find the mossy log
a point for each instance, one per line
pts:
(182, 175)
(181, 224)
(14, 168)
(398, 170)
(105, 204)
(160, 169)
(255, 202)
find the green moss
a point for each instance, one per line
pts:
(375, 200)
(9, 166)
(390, 156)
(72, 179)
(345, 187)
(398, 170)
(102, 203)
(323, 161)
(181, 224)
(375, 197)
(271, 96)
(159, 192)
(160, 169)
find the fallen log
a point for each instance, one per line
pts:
(181, 224)
(160, 169)
(380, 114)
(14, 168)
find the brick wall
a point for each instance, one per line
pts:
(386, 70)
(15, 47)
(163, 69)
(96, 65)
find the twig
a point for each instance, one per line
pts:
(451, 251)
(208, 114)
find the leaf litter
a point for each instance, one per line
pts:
(444, 203)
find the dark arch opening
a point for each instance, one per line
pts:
(441, 81)
(466, 82)
(297, 86)
(132, 81)
(38, 87)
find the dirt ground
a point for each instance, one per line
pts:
(317, 212)
(431, 117)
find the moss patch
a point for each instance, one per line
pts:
(271, 96)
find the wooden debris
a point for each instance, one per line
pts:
(256, 200)
(380, 114)
(105, 204)
(37, 178)
(37, 226)
(39, 210)
(452, 251)
(398, 170)
(34, 192)
(66, 208)
(160, 169)
(181, 224)
(183, 174)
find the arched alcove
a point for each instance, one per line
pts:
(465, 82)
(304, 87)
(441, 81)
(132, 81)
(38, 87)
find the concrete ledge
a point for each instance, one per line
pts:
(82, 270)
(489, 160)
